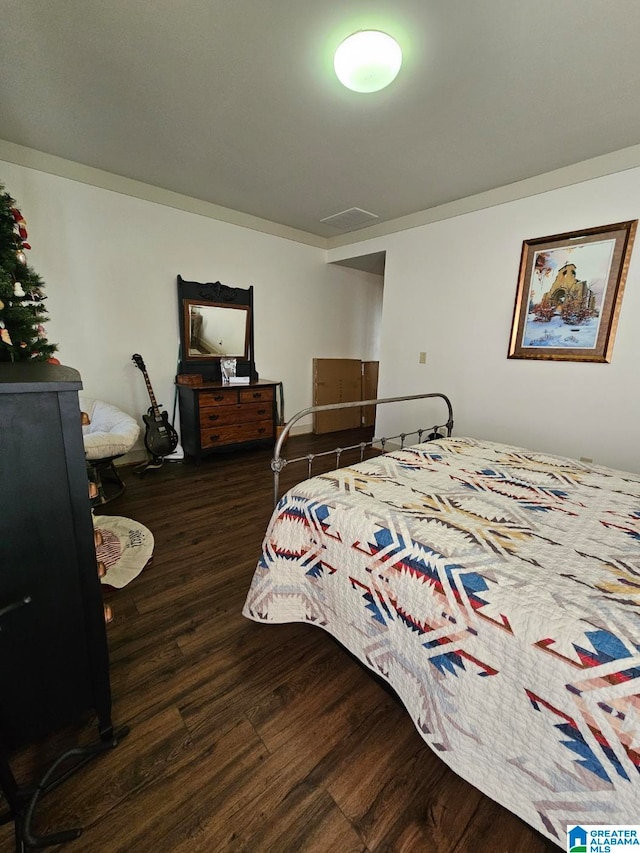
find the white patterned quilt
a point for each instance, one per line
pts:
(498, 591)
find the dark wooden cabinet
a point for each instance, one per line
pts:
(53, 646)
(214, 416)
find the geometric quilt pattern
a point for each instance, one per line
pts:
(498, 591)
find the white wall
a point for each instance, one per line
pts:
(450, 289)
(110, 261)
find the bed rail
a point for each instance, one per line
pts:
(279, 462)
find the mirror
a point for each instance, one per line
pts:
(214, 330)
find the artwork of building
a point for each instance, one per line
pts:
(566, 287)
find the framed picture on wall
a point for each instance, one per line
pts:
(569, 294)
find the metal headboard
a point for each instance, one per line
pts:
(279, 462)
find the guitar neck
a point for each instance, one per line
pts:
(152, 397)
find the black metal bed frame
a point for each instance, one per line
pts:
(278, 462)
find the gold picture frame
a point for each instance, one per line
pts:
(569, 294)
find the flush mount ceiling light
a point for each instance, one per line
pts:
(367, 61)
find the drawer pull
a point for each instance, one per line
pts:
(219, 397)
(214, 438)
(262, 429)
(257, 395)
(213, 417)
(262, 411)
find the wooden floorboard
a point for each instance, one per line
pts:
(247, 737)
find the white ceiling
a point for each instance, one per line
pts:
(235, 102)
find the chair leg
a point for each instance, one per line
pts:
(110, 474)
(105, 475)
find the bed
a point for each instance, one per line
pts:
(497, 590)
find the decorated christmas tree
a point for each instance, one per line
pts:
(22, 311)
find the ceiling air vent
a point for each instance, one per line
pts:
(348, 219)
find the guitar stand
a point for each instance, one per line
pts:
(22, 803)
(149, 465)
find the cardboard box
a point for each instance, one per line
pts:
(337, 380)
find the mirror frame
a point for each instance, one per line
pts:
(217, 295)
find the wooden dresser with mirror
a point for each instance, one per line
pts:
(216, 324)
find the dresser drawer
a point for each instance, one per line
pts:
(235, 433)
(221, 397)
(238, 414)
(251, 395)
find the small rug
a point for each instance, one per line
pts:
(125, 549)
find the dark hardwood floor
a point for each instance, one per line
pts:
(247, 737)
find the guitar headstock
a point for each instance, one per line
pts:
(138, 361)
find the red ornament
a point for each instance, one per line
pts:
(53, 360)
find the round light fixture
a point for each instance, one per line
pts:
(367, 61)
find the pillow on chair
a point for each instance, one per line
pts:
(111, 432)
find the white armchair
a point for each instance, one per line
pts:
(109, 434)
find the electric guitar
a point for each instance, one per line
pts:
(160, 438)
